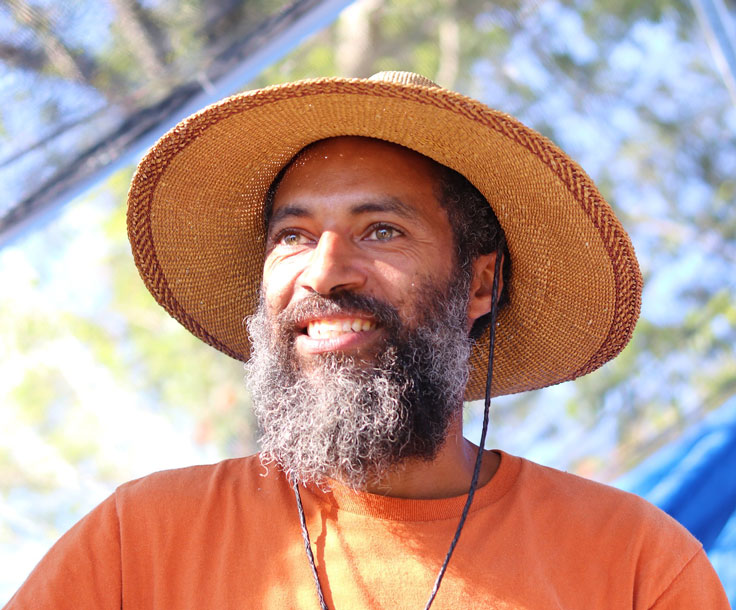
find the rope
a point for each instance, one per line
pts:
(308, 546)
(482, 443)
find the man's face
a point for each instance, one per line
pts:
(360, 344)
(360, 216)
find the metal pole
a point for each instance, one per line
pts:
(127, 146)
(721, 37)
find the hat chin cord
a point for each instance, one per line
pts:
(473, 481)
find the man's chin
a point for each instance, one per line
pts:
(317, 370)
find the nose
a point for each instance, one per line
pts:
(333, 266)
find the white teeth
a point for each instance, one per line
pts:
(328, 329)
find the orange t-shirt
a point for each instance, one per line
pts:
(228, 536)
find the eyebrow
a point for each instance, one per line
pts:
(386, 204)
(382, 204)
(289, 211)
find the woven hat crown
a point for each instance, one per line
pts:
(403, 78)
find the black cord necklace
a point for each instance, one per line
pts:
(473, 481)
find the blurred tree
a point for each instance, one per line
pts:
(146, 39)
(565, 68)
(54, 52)
(627, 88)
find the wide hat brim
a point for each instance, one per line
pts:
(195, 218)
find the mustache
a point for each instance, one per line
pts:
(293, 317)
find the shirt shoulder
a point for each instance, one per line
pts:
(240, 484)
(597, 504)
(646, 548)
(234, 471)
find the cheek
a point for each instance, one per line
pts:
(276, 300)
(392, 280)
(403, 277)
(400, 286)
(278, 284)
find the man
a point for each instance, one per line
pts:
(350, 220)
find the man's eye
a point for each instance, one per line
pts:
(383, 233)
(289, 238)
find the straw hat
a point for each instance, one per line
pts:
(196, 227)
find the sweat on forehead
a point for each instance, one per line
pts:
(329, 147)
(325, 150)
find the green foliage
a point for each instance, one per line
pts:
(620, 85)
(40, 391)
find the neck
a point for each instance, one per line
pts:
(448, 475)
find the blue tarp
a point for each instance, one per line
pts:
(694, 480)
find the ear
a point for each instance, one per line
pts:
(481, 286)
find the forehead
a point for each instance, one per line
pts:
(372, 152)
(355, 167)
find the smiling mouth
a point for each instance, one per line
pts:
(330, 329)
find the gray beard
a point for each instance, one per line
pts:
(353, 420)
